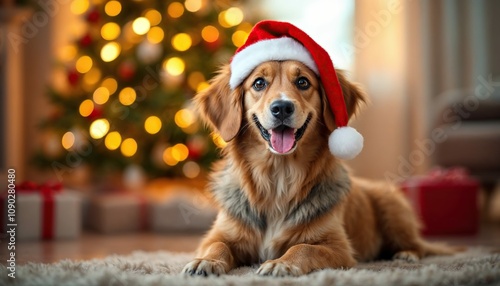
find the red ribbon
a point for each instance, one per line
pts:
(47, 191)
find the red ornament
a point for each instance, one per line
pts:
(95, 114)
(195, 149)
(93, 16)
(127, 70)
(86, 40)
(194, 154)
(73, 77)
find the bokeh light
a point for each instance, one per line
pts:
(245, 26)
(155, 35)
(110, 51)
(84, 64)
(194, 79)
(168, 157)
(110, 84)
(141, 25)
(184, 118)
(202, 86)
(110, 31)
(152, 124)
(174, 66)
(113, 140)
(233, 16)
(99, 128)
(191, 169)
(79, 7)
(218, 141)
(210, 34)
(86, 107)
(180, 152)
(128, 147)
(181, 42)
(127, 96)
(153, 16)
(92, 76)
(113, 8)
(67, 53)
(130, 36)
(101, 95)
(239, 38)
(68, 140)
(175, 9)
(193, 5)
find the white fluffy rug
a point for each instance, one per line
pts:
(477, 266)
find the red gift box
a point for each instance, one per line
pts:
(446, 201)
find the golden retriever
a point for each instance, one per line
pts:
(290, 204)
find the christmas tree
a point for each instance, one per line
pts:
(122, 91)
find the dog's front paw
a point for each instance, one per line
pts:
(406, 255)
(279, 269)
(205, 267)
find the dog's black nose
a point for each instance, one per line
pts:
(282, 109)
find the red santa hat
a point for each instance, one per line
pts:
(279, 41)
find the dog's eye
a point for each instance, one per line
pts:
(259, 84)
(302, 83)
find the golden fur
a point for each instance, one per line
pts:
(298, 212)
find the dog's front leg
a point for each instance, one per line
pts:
(216, 259)
(303, 258)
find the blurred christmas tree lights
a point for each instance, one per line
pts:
(122, 90)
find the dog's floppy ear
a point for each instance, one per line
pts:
(220, 107)
(354, 96)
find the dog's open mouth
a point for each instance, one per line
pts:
(282, 139)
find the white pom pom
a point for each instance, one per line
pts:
(345, 143)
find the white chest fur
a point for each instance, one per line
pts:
(281, 186)
(268, 248)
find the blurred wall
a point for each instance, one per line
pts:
(409, 53)
(380, 52)
(37, 39)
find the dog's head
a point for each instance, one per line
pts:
(281, 102)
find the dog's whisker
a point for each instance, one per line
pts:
(244, 128)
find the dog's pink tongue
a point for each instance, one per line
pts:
(282, 139)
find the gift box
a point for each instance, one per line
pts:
(44, 212)
(446, 200)
(179, 206)
(117, 212)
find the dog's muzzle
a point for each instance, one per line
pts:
(282, 139)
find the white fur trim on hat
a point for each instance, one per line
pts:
(280, 49)
(345, 142)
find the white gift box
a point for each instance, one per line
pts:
(181, 209)
(36, 219)
(119, 212)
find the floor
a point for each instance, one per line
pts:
(93, 245)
